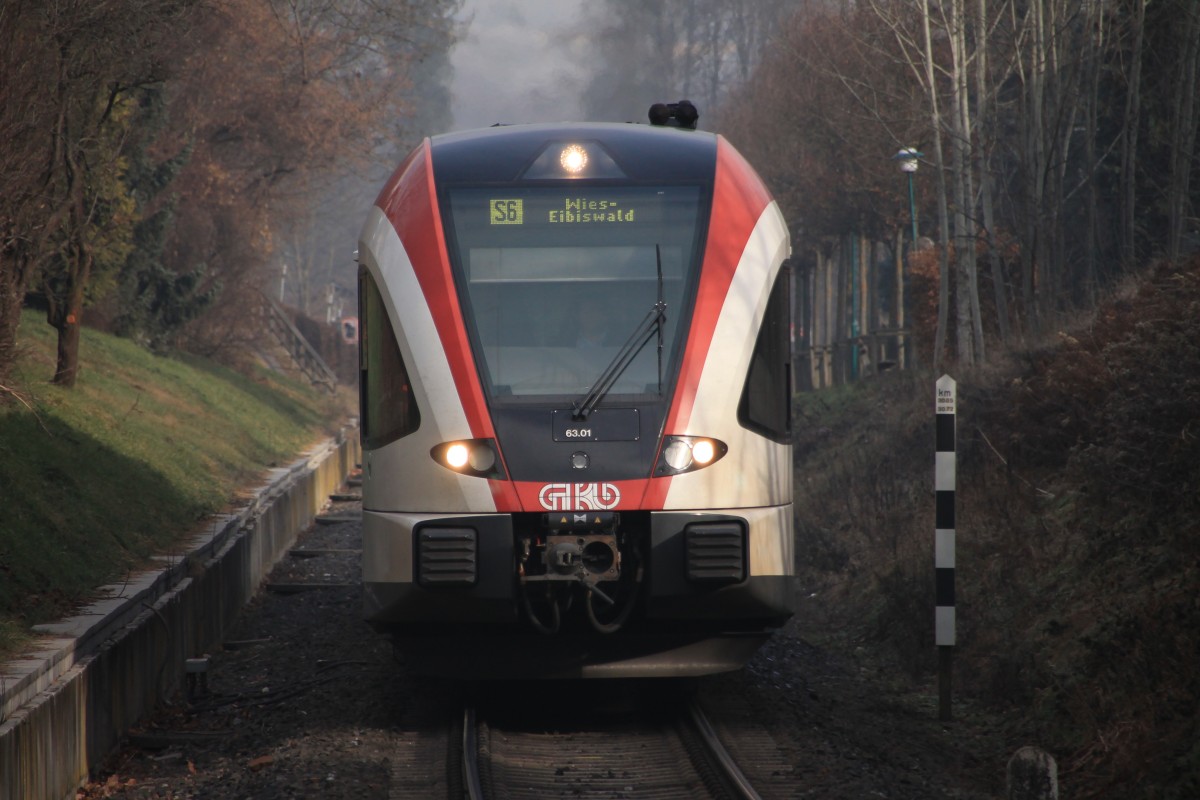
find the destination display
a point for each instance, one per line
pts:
(511, 211)
(593, 208)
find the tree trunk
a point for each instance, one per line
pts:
(65, 312)
(1036, 280)
(66, 368)
(1066, 92)
(1183, 129)
(983, 123)
(689, 50)
(14, 277)
(970, 321)
(19, 263)
(1129, 143)
(1095, 48)
(939, 163)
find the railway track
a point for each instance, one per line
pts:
(304, 700)
(663, 753)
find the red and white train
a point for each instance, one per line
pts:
(576, 404)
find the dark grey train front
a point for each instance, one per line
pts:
(576, 404)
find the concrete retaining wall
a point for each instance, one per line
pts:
(65, 707)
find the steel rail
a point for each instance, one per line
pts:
(472, 785)
(733, 776)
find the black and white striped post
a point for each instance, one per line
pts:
(944, 480)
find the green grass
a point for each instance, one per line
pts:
(95, 479)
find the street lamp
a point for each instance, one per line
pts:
(907, 159)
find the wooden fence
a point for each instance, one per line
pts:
(850, 318)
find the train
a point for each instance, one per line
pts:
(576, 403)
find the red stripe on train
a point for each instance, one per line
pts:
(739, 198)
(410, 203)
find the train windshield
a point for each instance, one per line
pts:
(556, 281)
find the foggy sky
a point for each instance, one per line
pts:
(518, 61)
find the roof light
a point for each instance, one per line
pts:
(573, 161)
(573, 158)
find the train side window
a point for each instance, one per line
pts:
(387, 406)
(766, 404)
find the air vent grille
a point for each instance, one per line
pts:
(446, 556)
(716, 552)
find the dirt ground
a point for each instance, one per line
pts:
(304, 700)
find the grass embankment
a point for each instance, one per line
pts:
(1078, 537)
(95, 479)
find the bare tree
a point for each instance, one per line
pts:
(670, 49)
(282, 101)
(27, 216)
(1185, 118)
(84, 55)
(985, 121)
(939, 163)
(1131, 122)
(257, 93)
(969, 335)
(1061, 136)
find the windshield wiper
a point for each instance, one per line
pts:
(629, 351)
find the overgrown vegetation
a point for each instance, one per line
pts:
(1039, 186)
(1079, 494)
(164, 159)
(95, 480)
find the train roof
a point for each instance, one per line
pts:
(504, 154)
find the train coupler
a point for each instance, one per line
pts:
(573, 547)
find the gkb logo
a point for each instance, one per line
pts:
(579, 496)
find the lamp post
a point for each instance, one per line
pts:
(908, 160)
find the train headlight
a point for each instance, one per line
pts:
(482, 459)
(457, 455)
(573, 159)
(678, 455)
(688, 453)
(474, 457)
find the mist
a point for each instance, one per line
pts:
(518, 61)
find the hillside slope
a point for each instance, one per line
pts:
(96, 479)
(1078, 590)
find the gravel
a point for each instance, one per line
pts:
(304, 700)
